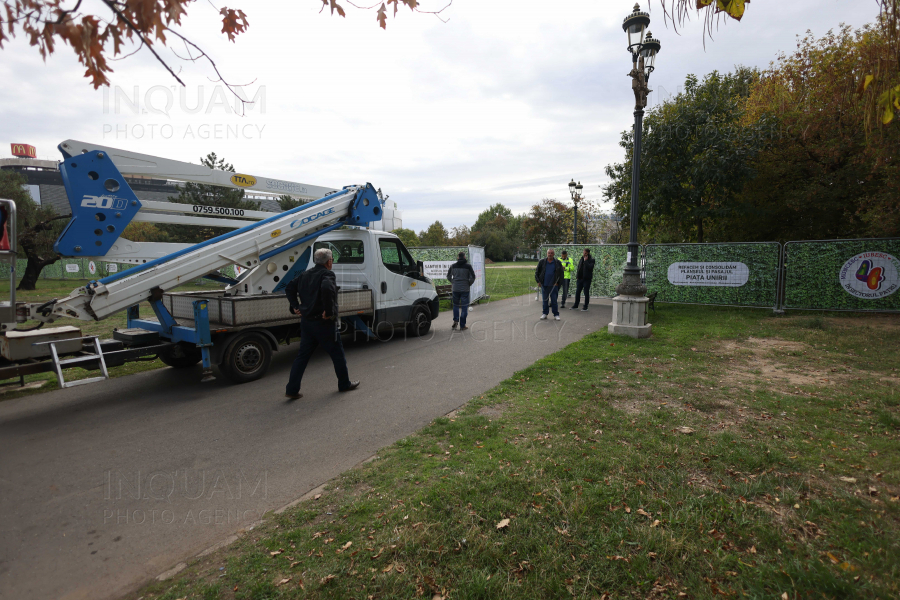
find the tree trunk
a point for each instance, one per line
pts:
(699, 230)
(33, 270)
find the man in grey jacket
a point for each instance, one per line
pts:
(462, 276)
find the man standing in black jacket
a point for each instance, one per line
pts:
(462, 276)
(584, 275)
(318, 310)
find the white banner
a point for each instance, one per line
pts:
(112, 268)
(727, 274)
(870, 275)
(71, 268)
(437, 269)
(476, 257)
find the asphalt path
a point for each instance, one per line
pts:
(106, 486)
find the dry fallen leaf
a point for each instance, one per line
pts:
(326, 579)
(276, 553)
(345, 546)
(685, 430)
(655, 523)
(388, 568)
(752, 550)
(283, 581)
(643, 512)
(503, 523)
(848, 479)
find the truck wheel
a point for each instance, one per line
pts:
(420, 324)
(181, 356)
(247, 358)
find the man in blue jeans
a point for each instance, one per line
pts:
(549, 275)
(462, 276)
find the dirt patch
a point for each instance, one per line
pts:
(493, 412)
(878, 322)
(764, 361)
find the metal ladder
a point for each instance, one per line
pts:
(59, 364)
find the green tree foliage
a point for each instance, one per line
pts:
(825, 175)
(460, 236)
(552, 222)
(286, 202)
(407, 236)
(696, 156)
(37, 226)
(497, 216)
(435, 235)
(207, 195)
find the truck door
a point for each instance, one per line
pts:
(393, 283)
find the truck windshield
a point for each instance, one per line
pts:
(395, 256)
(344, 252)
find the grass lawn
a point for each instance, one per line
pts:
(734, 454)
(524, 264)
(48, 289)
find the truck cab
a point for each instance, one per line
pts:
(378, 261)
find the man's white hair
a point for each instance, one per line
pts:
(322, 256)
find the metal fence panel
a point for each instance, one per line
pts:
(736, 274)
(857, 275)
(79, 269)
(609, 265)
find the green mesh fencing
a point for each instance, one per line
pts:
(79, 269)
(739, 274)
(609, 264)
(438, 253)
(858, 275)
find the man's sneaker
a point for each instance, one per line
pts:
(353, 385)
(584, 309)
(296, 396)
(573, 307)
(454, 325)
(463, 328)
(543, 317)
(556, 317)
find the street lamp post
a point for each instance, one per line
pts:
(575, 191)
(629, 306)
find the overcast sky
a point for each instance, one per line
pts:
(504, 102)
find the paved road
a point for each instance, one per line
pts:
(105, 486)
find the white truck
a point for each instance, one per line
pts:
(236, 329)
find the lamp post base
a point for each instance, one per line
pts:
(630, 317)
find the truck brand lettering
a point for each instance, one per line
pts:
(284, 186)
(310, 218)
(107, 202)
(241, 180)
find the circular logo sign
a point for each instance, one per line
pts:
(870, 275)
(92, 267)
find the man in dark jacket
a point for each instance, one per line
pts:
(549, 275)
(584, 275)
(462, 276)
(318, 310)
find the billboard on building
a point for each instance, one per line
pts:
(23, 150)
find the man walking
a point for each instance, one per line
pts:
(568, 270)
(462, 276)
(318, 310)
(584, 275)
(549, 275)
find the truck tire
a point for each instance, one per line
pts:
(420, 323)
(247, 358)
(181, 356)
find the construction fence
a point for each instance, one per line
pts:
(853, 275)
(85, 268)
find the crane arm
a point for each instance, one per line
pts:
(103, 203)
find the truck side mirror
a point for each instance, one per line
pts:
(421, 266)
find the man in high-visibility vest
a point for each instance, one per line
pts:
(568, 270)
